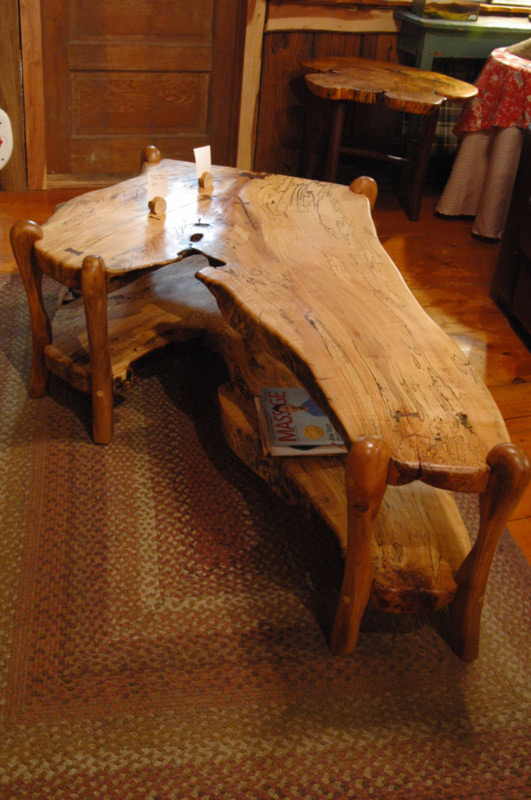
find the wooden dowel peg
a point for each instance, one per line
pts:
(366, 186)
(206, 181)
(157, 206)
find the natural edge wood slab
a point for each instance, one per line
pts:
(369, 81)
(301, 273)
(305, 295)
(307, 280)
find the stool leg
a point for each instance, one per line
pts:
(336, 136)
(427, 134)
(509, 475)
(23, 237)
(313, 139)
(366, 481)
(94, 288)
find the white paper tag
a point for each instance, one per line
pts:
(203, 159)
(157, 183)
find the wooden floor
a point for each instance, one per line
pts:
(448, 271)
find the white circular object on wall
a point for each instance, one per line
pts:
(6, 138)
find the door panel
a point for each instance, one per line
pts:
(171, 21)
(120, 74)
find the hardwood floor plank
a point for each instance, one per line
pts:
(482, 332)
(434, 251)
(498, 361)
(513, 400)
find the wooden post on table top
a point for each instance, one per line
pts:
(23, 236)
(150, 155)
(366, 481)
(367, 186)
(510, 472)
(94, 289)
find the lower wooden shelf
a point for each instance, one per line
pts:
(419, 541)
(167, 305)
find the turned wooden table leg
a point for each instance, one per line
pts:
(422, 160)
(510, 472)
(338, 108)
(94, 289)
(23, 236)
(366, 481)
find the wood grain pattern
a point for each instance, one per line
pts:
(324, 17)
(396, 86)
(94, 289)
(302, 281)
(403, 381)
(34, 116)
(120, 74)
(438, 258)
(366, 481)
(23, 237)
(418, 540)
(251, 68)
(509, 475)
(283, 95)
(413, 396)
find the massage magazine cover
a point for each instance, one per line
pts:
(291, 423)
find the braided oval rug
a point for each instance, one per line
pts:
(165, 618)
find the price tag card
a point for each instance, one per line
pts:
(157, 183)
(203, 159)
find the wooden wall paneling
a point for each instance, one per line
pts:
(120, 74)
(13, 175)
(331, 17)
(337, 44)
(281, 116)
(182, 94)
(381, 46)
(103, 103)
(138, 18)
(34, 120)
(229, 42)
(58, 101)
(251, 69)
(94, 56)
(284, 98)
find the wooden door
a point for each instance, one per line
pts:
(120, 74)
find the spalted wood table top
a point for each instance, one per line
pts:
(301, 273)
(399, 87)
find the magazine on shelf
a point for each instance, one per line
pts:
(292, 424)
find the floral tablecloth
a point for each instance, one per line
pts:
(492, 128)
(504, 95)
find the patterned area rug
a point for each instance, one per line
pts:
(164, 621)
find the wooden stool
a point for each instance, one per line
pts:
(347, 78)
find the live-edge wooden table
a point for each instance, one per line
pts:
(308, 297)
